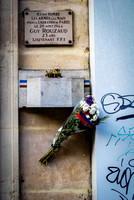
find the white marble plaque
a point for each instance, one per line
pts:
(48, 27)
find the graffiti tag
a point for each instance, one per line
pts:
(113, 103)
(121, 177)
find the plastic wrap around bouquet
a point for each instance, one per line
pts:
(84, 116)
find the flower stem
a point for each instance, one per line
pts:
(44, 159)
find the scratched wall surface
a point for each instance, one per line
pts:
(67, 174)
(114, 91)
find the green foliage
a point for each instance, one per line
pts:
(72, 126)
(101, 120)
(55, 73)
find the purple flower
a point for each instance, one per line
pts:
(89, 100)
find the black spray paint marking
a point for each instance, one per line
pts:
(123, 197)
(121, 177)
(113, 103)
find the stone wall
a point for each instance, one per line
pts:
(75, 57)
(67, 175)
(9, 100)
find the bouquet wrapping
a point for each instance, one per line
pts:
(83, 117)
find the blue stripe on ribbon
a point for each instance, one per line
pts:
(86, 81)
(23, 81)
(86, 119)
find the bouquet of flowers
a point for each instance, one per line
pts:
(84, 116)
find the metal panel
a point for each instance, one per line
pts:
(33, 92)
(56, 92)
(36, 90)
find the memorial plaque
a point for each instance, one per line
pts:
(48, 27)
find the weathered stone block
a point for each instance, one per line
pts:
(67, 171)
(57, 195)
(48, 57)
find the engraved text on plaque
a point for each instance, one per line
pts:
(48, 27)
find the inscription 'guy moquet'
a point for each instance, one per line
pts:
(48, 27)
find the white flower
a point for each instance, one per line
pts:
(94, 118)
(92, 111)
(87, 116)
(97, 112)
(93, 106)
(85, 108)
(82, 103)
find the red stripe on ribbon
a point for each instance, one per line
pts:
(23, 86)
(82, 120)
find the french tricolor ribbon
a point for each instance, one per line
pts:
(86, 83)
(84, 119)
(23, 83)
